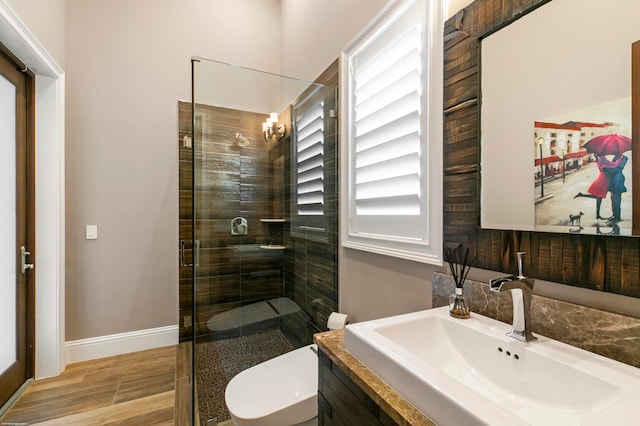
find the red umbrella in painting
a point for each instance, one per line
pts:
(610, 144)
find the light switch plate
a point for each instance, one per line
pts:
(92, 232)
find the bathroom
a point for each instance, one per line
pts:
(370, 285)
(370, 307)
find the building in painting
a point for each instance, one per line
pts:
(558, 146)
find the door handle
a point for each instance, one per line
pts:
(23, 255)
(195, 254)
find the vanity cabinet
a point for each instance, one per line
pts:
(342, 402)
(351, 394)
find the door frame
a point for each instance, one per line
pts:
(49, 196)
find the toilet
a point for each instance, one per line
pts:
(278, 392)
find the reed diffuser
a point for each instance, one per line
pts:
(458, 303)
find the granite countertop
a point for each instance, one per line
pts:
(398, 408)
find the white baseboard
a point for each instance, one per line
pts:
(122, 343)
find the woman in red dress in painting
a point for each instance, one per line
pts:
(600, 186)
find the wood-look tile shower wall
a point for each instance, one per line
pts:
(231, 181)
(311, 263)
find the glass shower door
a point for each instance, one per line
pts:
(240, 194)
(238, 223)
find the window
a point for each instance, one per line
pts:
(391, 93)
(309, 155)
(309, 160)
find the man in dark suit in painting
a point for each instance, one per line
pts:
(616, 186)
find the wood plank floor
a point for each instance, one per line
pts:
(133, 389)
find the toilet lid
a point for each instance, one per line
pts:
(282, 383)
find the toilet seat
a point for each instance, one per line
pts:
(281, 391)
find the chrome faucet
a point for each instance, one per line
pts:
(521, 290)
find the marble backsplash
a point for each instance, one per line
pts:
(608, 334)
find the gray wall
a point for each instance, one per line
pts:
(313, 32)
(128, 63)
(46, 20)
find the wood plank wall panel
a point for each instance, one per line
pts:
(602, 263)
(635, 128)
(630, 268)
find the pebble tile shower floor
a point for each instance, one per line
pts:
(217, 362)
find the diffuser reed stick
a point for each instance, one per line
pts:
(459, 267)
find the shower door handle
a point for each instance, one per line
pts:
(195, 251)
(196, 260)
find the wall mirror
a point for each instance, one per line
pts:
(556, 127)
(580, 258)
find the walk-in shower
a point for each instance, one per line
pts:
(258, 223)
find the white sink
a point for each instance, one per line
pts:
(468, 372)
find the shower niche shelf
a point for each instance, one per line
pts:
(274, 233)
(272, 247)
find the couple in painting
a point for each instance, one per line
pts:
(610, 179)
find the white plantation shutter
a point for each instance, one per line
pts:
(387, 126)
(310, 161)
(310, 156)
(392, 125)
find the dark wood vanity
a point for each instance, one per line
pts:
(350, 394)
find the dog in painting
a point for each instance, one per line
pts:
(574, 219)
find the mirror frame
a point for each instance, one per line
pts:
(610, 264)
